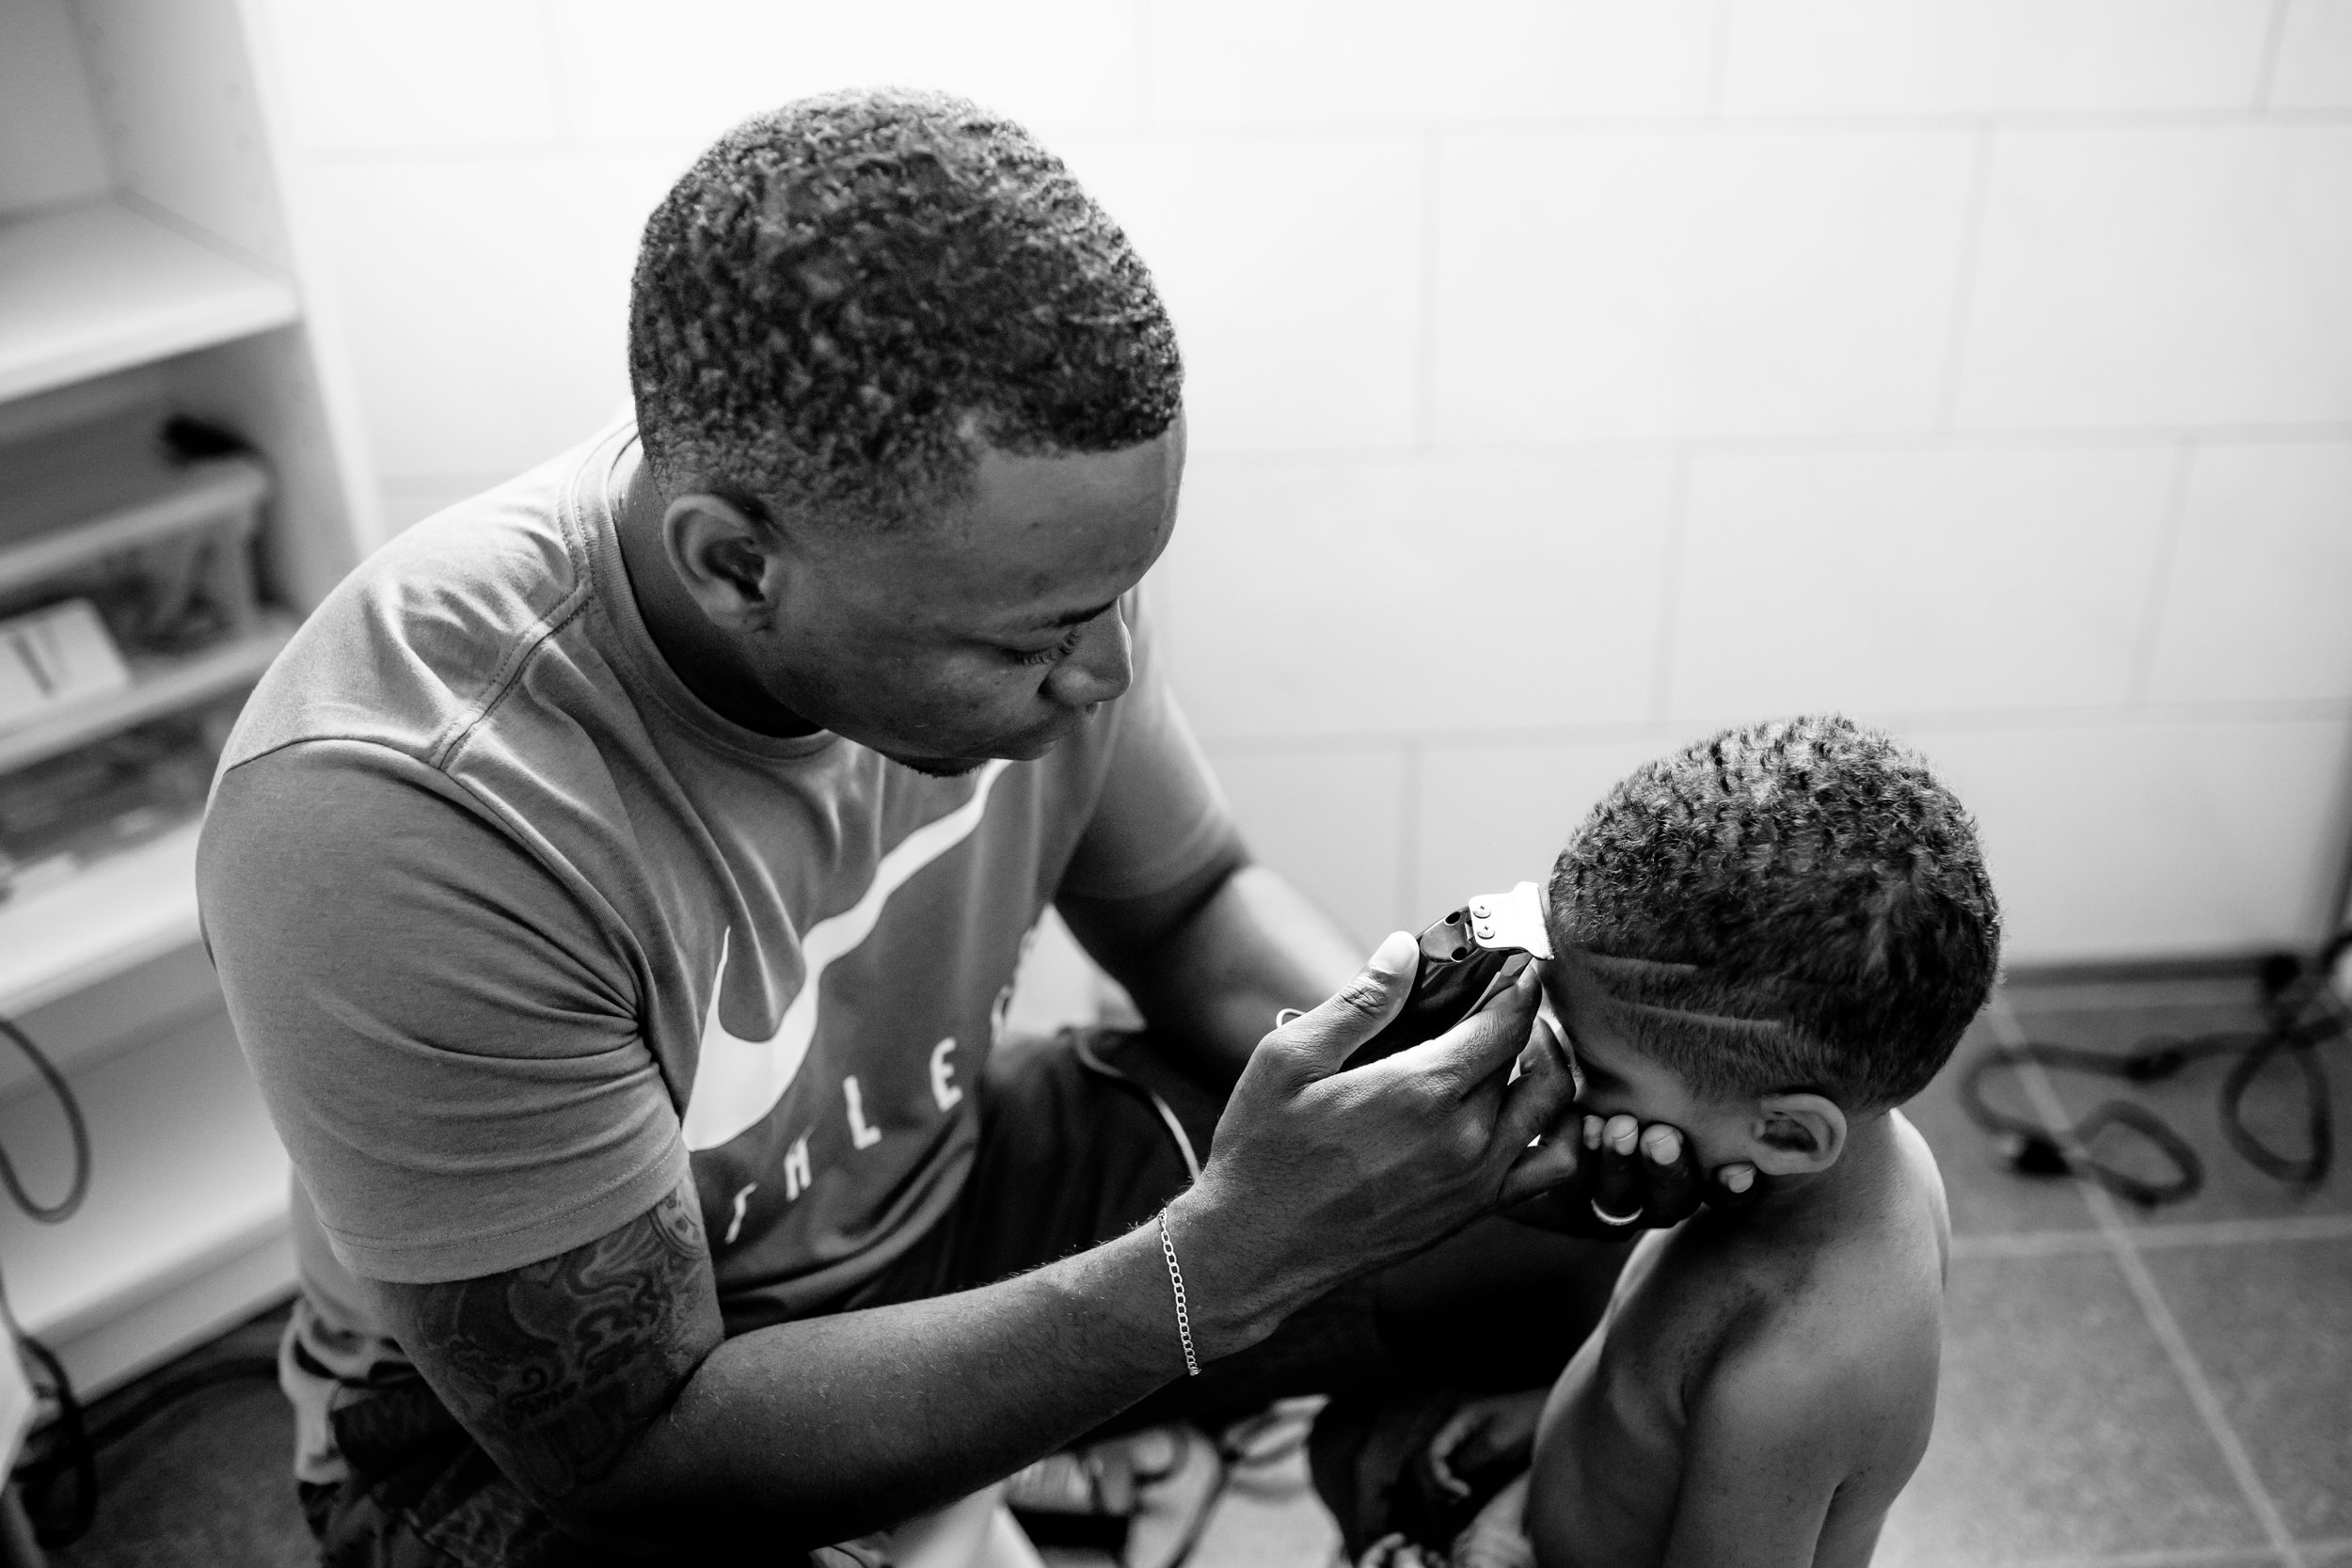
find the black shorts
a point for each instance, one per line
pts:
(1079, 1143)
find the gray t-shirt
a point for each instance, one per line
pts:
(516, 931)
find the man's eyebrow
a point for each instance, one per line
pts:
(1076, 618)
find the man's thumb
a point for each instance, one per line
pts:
(1360, 1009)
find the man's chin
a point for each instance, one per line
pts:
(1023, 748)
(936, 767)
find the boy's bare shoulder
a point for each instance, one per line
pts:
(1843, 1330)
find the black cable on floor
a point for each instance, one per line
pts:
(2303, 1015)
(74, 1454)
(66, 1436)
(61, 1210)
(65, 1450)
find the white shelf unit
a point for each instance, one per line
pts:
(108, 919)
(102, 286)
(158, 687)
(149, 264)
(69, 497)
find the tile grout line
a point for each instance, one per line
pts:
(1425, 335)
(1964, 281)
(1146, 97)
(2162, 1238)
(558, 90)
(1683, 728)
(2274, 43)
(1146, 124)
(2166, 1328)
(2172, 524)
(1718, 61)
(2172, 1556)
(2207, 990)
(1670, 589)
(1409, 834)
(1907, 440)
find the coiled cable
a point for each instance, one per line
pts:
(2303, 1014)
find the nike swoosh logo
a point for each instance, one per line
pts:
(740, 1081)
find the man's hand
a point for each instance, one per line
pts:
(1320, 1173)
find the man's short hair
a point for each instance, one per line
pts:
(846, 298)
(1797, 905)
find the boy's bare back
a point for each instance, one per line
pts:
(1763, 1383)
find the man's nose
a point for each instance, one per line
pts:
(1100, 668)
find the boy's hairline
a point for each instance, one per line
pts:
(1851, 1108)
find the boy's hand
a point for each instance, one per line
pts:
(1497, 1537)
(1630, 1179)
(1394, 1551)
(1484, 1433)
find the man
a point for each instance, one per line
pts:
(617, 883)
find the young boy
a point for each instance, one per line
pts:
(1769, 941)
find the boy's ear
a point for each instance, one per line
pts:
(729, 560)
(1796, 1134)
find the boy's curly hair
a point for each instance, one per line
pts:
(845, 298)
(1804, 906)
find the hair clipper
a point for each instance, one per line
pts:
(1465, 959)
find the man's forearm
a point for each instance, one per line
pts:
(599, 1381)
(821, 1429)
(1211, 985)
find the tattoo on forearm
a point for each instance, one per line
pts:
(558, 1366)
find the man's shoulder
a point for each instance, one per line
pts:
(423, 636)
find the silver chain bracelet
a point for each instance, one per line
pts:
(1176, 1277)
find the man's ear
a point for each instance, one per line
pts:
(1796, 1134)
(731, 562)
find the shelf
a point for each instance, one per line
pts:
(186, 1220)
(110, 917)
(97, 288)
(77, 495)
(158, 686)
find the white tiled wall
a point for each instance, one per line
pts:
(1569, 377)
(1700, 279)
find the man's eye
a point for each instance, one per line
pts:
(1058, 651)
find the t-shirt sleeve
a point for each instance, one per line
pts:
(1160, 815)
(445, 1033)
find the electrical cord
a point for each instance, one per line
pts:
(67, 1438)
(2303, 1014)
(68, 1446)
(61, 1210)
(67, 1435)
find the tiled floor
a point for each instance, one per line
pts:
(2129, 1387)
(2120, 1389)
(205, 1482)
